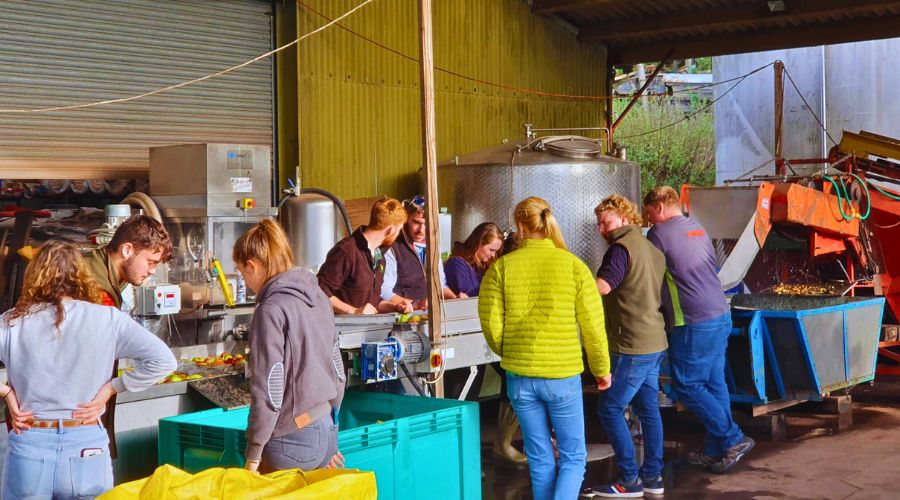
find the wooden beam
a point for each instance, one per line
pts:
(563, 6)
(666, 58)
(554, 6)
(779, 118)
(769, 39)
(731, 18)
(429, 157)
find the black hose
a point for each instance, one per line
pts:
(412, 380)
(334, 199)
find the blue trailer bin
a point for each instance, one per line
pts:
(800, 348)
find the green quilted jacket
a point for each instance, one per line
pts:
(531, 305)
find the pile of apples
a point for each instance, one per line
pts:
(414, 319)
(224, 359)
(180, 377)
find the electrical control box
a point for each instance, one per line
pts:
(157, 300)
(378, 361)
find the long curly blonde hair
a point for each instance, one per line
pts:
(56, 272)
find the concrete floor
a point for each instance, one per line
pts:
(814, 461)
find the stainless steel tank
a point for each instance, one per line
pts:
(570, 172)
(313, 226)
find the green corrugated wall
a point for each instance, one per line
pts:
(358, 105)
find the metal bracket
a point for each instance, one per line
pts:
(473, 372)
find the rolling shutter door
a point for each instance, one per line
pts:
(62, 52)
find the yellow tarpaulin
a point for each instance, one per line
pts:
(171, 483)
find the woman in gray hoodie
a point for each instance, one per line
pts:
(297, 376)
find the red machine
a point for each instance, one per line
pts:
(876, 160)
(834, 231)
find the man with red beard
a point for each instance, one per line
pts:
(353, 271)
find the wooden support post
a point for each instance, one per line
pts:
(779, 111)
(842, 406)
(836, 410)
(776, 424)
(773, 422)
(429, 157)
(640, 92)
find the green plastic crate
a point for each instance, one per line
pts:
(419, 448)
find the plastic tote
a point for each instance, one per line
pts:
(171, 483)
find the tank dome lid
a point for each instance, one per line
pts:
(570, 146)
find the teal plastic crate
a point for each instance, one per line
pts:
(418, 448)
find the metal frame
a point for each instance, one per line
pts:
(764, 359)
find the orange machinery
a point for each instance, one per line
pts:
(875, 160)
(804, 226)
(835, 231)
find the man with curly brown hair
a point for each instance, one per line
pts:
(139, 245)
(630, 282)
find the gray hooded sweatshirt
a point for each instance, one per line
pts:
(295, 362)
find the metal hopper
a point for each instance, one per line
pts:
(793, 349)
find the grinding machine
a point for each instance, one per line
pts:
(809, 260)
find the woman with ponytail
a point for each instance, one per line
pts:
(532, 304)
(297, 377)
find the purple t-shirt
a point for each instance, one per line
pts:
(462, 277)
(695, 291)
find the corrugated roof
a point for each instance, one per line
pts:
(644, 30)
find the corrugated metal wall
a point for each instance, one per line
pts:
(861, 87)
(850, 86)
(745, 118)
(359, 108)
(59, 53)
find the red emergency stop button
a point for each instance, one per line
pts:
(247, 203)
(436, 360)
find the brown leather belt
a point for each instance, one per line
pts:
(54, 424)
(317, 412)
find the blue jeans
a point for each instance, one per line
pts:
(697, 361)
(542, 404)
(45, 463)
(635, 381)
(306, 449)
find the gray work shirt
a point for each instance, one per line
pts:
(695, 293)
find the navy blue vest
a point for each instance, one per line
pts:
(411, 281)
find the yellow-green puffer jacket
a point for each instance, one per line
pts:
(532, 302)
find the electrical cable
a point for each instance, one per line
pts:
(808, 107)
(440, 374)
(412, 380)
(704, 108)
(335, 21)
(196, 80)
(509, 87)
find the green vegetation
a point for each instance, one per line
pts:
(680, 154)
(702, 65)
